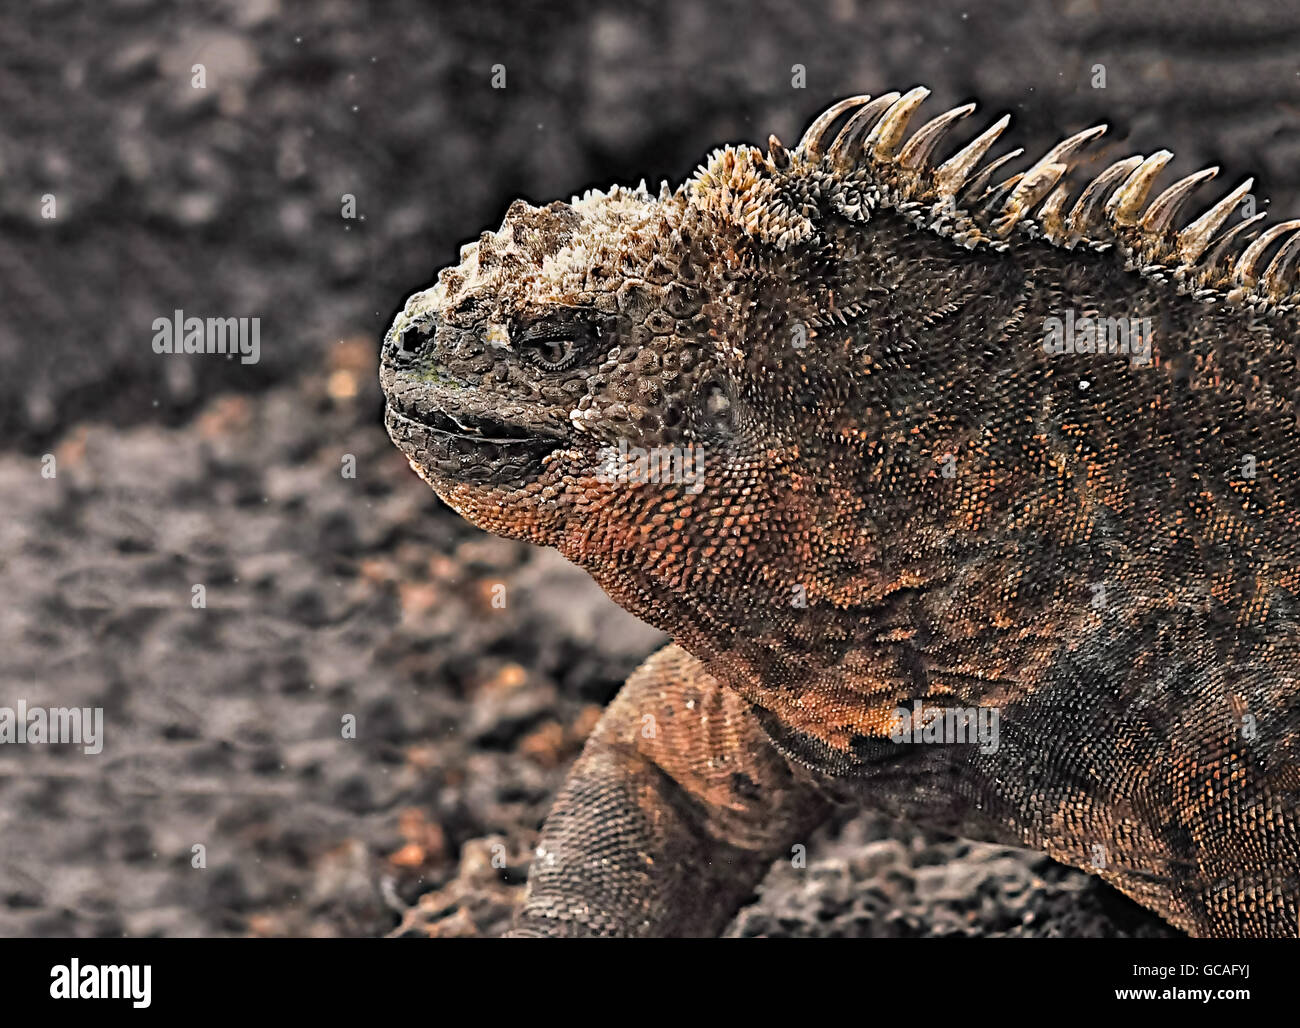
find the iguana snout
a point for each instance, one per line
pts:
(461, 403)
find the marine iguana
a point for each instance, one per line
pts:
(937, 475)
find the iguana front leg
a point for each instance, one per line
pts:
(675, 810)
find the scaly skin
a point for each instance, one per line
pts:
(903, 497)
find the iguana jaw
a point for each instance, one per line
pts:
(453, 436)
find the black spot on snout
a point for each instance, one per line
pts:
(413, 342)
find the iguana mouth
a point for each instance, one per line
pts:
(474, 429)
(466, 446)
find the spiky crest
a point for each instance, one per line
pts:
(868, 163)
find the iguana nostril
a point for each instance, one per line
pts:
(411, 341)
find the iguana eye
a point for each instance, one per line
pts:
(550, 354)
(557, 345)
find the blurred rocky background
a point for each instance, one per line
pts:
(329, 596)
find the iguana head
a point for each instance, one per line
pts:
(591, 351)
